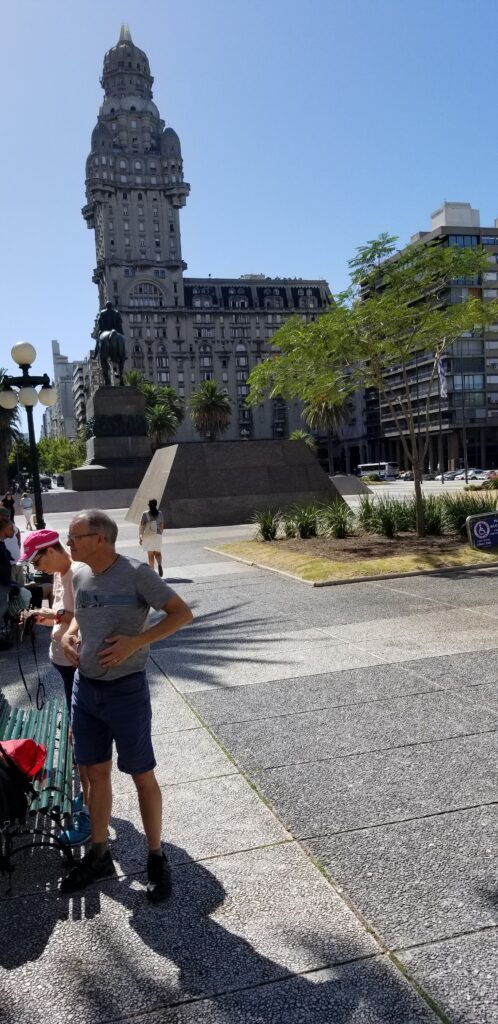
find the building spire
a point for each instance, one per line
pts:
(125, 35)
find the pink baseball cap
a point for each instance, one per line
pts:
(38, 541)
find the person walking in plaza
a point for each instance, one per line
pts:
(108, 642)
(9, 503)
(45, 552)
(27, 507)
(150, 534)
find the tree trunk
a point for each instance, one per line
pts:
(330, 452)
(417, 480)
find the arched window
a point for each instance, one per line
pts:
(146, 295)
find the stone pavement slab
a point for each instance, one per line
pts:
(419, 881)
(393, 785)
(250, 660)
(182, 757)
(366, 992)
(460, 975)
(354, 729)
(232, 922)
(209, 818)
(307, 693)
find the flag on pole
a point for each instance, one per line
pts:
(443, 390)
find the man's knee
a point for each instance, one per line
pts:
(145, 781)
(98, 772)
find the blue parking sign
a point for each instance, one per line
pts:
(482, 530)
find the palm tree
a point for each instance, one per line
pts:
(164, 409)
(210, 409)
(304, 435)
(9, 433)
(329, 416)
(162, 422)
(134, 379)
(167, 395)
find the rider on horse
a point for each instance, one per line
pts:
(110, 345)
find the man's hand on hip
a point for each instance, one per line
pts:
(119, 649)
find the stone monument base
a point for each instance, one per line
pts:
(118, 450)
(221, 483)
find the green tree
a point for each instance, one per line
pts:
(304, 435)
(58, 454)
(210, 409)
(164, 409)
(395, 313)
(162, 423)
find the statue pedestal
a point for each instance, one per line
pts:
(118, 450)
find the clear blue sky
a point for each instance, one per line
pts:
(306, 128)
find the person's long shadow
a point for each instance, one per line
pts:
(198, 959)
(142, 959)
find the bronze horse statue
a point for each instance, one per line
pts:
(110, 349)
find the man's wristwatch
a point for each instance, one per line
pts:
(60, 615)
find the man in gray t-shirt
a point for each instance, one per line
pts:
(108, 641)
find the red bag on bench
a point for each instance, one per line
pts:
(26, 754)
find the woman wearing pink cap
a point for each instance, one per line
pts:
(45, 552)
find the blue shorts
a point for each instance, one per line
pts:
(119, 711)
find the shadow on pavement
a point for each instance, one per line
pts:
(141, 959)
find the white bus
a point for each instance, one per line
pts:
(384, 470)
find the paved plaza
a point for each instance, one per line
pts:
(329, 765)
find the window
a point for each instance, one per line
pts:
(490, 293)
(489, 240)
(465, 241)
(471, 381)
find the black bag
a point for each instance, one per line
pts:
(14, 790)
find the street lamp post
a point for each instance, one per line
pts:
(24, 355)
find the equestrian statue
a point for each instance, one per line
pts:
(110, 347)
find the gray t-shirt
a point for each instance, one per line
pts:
(117, 600)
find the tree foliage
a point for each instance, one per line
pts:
(210, 409)
(164, 409)
(395, 312)
(58, 454)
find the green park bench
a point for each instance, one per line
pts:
(49, 809)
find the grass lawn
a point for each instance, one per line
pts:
(325, 560)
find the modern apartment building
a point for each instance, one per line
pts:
(59, 419)
(178, 330)
(467, 416)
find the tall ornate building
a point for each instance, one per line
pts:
(178, 330)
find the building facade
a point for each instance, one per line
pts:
(179, 330)
(463, 413)
(59, 419)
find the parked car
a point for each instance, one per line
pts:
(472, 474)
(60, 480)
(406, 475)
(450, 475)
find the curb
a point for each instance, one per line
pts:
(357, 579)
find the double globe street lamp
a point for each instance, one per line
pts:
(24, 355)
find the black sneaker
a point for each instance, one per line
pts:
(159, 878)
(88, 870)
